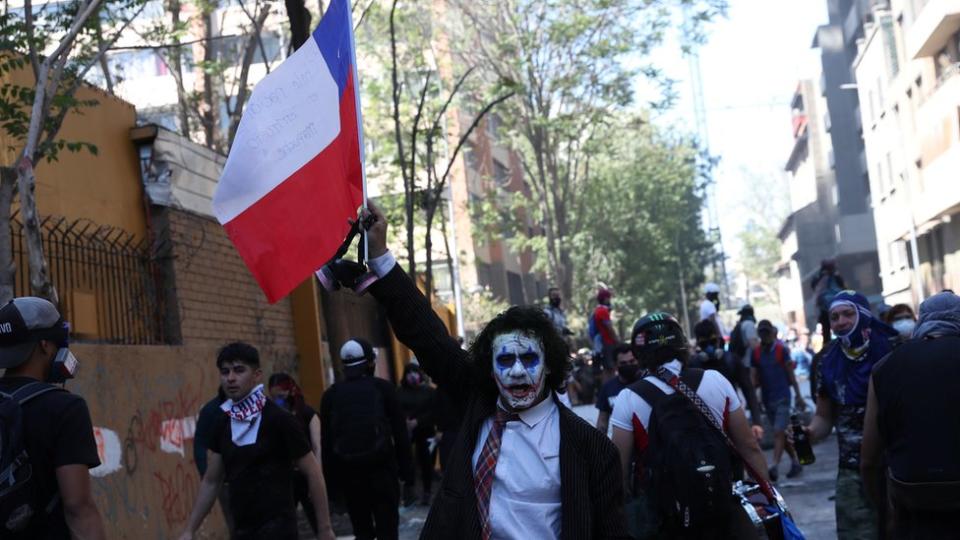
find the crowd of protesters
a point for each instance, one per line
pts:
(675, 452)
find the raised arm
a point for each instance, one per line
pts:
(412, 317)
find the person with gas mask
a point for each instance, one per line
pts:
(418, 401)
(56, 433)
(709, 353)
(627, 370)
(842, 383)
(902, 319)
(366, 448)
(522, 466)
(286, 393)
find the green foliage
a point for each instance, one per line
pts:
(642, 231)
(767, 204)
(50, 22)
(567, 60)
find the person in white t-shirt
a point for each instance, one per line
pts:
(709, 308)
(659, 341)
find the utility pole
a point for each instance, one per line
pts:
(712, 225)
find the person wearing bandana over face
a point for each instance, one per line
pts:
(57, 432)
(254, 447)
(522, 466)
(844, 375)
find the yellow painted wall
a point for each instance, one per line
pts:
(105, 187)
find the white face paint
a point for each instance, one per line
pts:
(519, 369)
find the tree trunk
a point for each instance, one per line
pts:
(299, 18)
(428, 245)
(8, 182)
(242, 89)
(211, 112)
(173, 6)
(40, 283)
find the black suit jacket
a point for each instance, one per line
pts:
(591, 485)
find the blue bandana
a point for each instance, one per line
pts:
(846, 366)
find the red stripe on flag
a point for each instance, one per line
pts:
(293, 230)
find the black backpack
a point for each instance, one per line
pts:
(18, 490)
(361, 428)
(687, 461)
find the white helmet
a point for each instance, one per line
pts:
(711, 288)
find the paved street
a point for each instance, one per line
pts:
(809, 497)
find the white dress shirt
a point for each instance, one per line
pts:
(525, 497)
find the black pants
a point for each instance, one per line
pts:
(373, 498)
(425, 461)
(301, 496)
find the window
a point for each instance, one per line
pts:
(889, 171)
(501, 174)
(881, 181)
(515, 288)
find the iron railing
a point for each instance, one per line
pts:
(106, 279)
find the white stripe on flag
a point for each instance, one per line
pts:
(292, 115)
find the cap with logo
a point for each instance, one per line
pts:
(356, 351)
(24, 322)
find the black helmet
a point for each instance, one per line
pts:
(655, 331)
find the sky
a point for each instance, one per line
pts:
(749, 68)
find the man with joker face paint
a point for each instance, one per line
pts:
(521, 466)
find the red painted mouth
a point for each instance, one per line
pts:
(520, 390)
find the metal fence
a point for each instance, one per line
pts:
(107, 281)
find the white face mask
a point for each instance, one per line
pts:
(904, 327)
(519, 369)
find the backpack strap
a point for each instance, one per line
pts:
(681, 387)
(648, 392)
(31, 390)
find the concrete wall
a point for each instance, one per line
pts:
(144, 402)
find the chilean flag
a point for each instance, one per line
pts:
(294, 173)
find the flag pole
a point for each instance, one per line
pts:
(356, 94)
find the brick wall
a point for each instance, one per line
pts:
(218, 300)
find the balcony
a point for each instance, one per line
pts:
(935, 23)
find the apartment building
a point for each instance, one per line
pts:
(808, 235)
(907, 66)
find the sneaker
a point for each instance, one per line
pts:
(774, 474)
(795, 470)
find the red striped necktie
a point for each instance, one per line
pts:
(487, 464)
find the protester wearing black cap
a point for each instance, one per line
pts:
(366, 449)
(56, 433)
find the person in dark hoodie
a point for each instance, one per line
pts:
(418, 403)
(365, 443)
